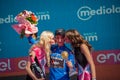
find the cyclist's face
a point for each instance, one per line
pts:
(59, 40)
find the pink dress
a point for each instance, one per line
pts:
(84, 73)
(40, 54)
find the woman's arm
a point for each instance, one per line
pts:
(86, 52)
(28, 69)
(31, 58)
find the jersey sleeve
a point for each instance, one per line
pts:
(32, 40)
(71, 58)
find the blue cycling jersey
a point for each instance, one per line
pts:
(58, 67)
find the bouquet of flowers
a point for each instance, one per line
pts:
(27, 22)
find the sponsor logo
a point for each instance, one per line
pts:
(7, 65)
(43, 15)
(107, 57)
(86, 13)
(11, 18)
(90, 36)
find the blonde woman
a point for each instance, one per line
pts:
(39, 56)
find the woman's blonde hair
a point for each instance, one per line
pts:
(44, 42)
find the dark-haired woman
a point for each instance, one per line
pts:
(82, 51)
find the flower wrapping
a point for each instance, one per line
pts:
(27, 22)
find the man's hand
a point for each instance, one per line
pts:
(69, 64)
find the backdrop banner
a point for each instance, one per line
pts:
(98, 21)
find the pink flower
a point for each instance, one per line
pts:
(27, 22)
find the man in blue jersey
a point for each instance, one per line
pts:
(59, 67)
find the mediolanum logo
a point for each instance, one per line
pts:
(86, 13)
(11, 19)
